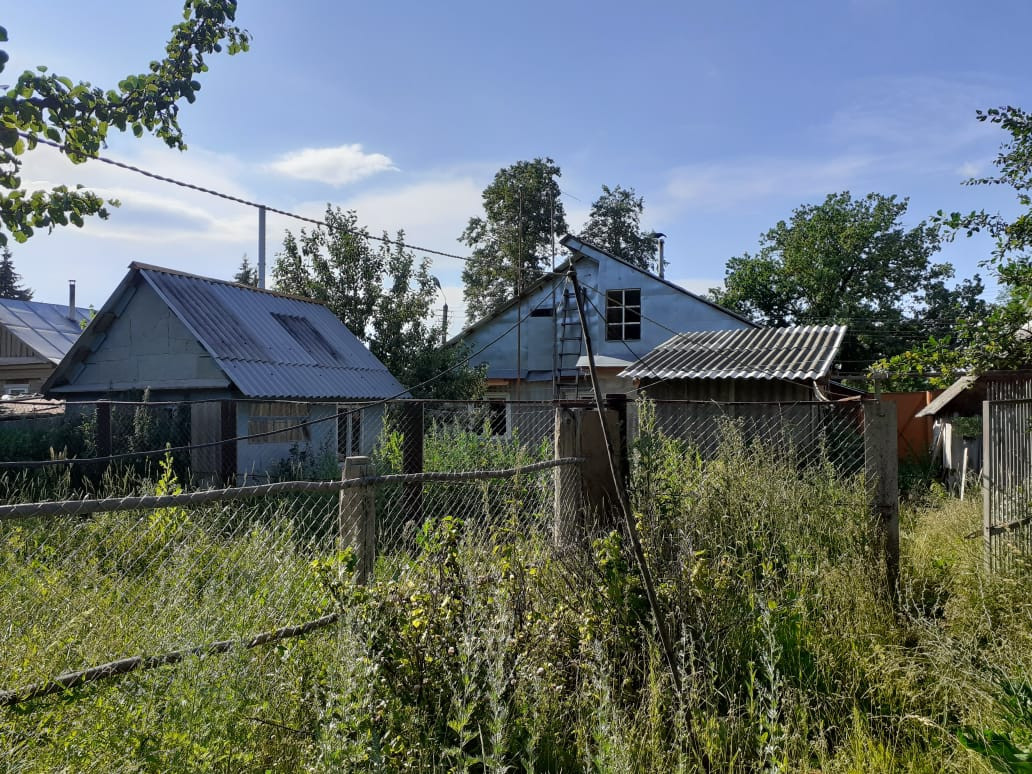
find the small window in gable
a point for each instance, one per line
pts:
(623, 315)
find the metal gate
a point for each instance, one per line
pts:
(1007, 481)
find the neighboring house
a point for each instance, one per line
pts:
(284, 360)
(629, 311)
(33, 338)
(777, 380)
(957, 417)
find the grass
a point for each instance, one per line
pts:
(481, 648)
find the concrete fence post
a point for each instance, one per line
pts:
(590, 493)
(567, 487)
(881, 462)
(356, 517)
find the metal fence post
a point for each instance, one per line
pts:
(881, 461)
(567, 488)
(356, 517)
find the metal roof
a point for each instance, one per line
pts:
(965, 382)
(272, 345)
(804, 352)
(44, 328)
(269, 345)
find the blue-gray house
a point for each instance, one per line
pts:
(629, 311)
(34, 336)
(282, 360)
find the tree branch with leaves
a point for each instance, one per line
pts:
(79, 116)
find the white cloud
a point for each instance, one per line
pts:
(969, 169)
(720, 185)
(334, 166)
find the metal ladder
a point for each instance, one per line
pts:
(567, 375)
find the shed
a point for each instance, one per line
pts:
(34, 336)
(739, 374)
(248, 361)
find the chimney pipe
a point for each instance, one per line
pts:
(661, 257)
(71, 301)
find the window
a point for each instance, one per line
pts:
(623, 315)
(16, 389)
(542, 311)
(279, 419)
(349, 430)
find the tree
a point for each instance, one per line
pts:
(512, 241)
(247, 274)
(79, 116)
(851, 262)
(10, 280)
(382, 295)
(998, 338)
(615, 225)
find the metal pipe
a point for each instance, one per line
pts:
(261, 247)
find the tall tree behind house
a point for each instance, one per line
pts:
(511, 243)
(10, 280)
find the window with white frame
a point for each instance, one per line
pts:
(623, 314)
(349, 429)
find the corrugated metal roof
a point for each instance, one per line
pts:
(271, 345)
(802, 352)
(965, 382)
(44, 328)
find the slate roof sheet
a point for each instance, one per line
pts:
(803, 352)
(44, 328)
(273, 345)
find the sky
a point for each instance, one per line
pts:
(723, 116)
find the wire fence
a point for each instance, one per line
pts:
(808, 433)
(94, 588)
(155, 568)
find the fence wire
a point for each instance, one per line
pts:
(161, 589)
(808, 433)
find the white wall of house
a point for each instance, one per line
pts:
(665, 309)
(257, 457)
(147, 346)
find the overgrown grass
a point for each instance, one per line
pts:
(483, 648)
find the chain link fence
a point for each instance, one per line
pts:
(155, 569)
(808, 433)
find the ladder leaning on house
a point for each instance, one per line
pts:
(568, 349)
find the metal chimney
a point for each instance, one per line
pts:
(71, 302)
(661, 240)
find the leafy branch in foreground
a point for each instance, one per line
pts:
(78, 116)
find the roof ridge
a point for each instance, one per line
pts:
(140, 266)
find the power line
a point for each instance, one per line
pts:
(228, 197)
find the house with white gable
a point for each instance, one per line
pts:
(534, 347)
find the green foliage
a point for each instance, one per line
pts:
(10, 280)
(79, 116)
(851, 261)
(481, 647)
(511, 243)
(247, 274)
(1010, 750)
(614, 224)
(998, 339)
(383, 296)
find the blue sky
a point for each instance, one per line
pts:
(724, 116)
